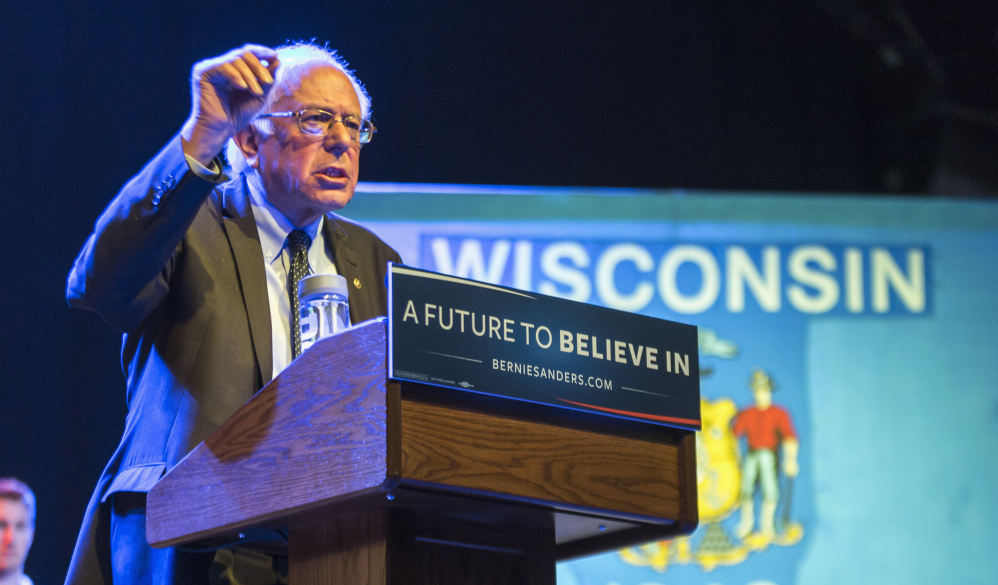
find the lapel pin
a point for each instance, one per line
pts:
(356, 282)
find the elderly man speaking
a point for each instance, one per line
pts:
(199, 272)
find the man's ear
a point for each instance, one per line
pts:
(248, 141)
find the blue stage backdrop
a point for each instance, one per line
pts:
(872, 319)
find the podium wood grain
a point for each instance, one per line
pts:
(314, 434)
(382, 482)
(569, 467)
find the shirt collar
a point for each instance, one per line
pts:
(271, 224)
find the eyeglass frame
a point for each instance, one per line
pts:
(340, 119)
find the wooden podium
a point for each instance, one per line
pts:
(382, 482)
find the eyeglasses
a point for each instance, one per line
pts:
(321, 122)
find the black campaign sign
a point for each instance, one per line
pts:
(468, 335)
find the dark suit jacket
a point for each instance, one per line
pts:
(175, 263)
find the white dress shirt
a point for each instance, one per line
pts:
(273, 228)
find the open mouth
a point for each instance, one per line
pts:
(334, 173)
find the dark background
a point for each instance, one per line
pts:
(844, 96)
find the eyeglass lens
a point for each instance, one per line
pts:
(321, 123)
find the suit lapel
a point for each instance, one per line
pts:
(347, 266)
(240, 227)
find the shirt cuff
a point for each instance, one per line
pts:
(212, 175)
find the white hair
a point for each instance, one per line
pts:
(296, 59)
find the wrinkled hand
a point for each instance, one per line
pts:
(227, 92)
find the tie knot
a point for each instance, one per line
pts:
(298, 242)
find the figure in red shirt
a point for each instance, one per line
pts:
(766, 426)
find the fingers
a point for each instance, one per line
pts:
(229, 73)
(260, 51)
(263, 74)
(272, 64)
(242, 68)
(255, 56)
(249, 78)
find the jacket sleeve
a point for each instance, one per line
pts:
(123, 271)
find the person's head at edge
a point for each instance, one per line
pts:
(302, 175)
(17, 527)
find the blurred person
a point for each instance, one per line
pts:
(767, 427)
(199, 272)
(17, 530)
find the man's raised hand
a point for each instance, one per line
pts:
(226, 93)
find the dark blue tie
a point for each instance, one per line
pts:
(298, 244)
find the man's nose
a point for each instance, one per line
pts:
(7, 536)
(338, 140)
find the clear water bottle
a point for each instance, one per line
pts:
(324, 307)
